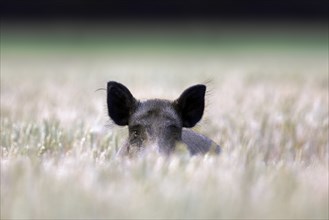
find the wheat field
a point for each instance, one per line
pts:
(267, 108)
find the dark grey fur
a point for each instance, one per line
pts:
(159, 123)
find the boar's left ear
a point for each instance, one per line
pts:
(190, 105)
(120, 103)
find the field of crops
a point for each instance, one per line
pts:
(267, 108)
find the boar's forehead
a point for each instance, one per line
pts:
(155, 110)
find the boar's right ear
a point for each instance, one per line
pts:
(190, 105)
(120, 103)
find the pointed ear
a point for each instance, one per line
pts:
(120, 103)
(190, 105)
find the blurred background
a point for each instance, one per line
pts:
(118, 26)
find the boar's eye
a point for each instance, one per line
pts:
(135, 130)
(135, 133)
